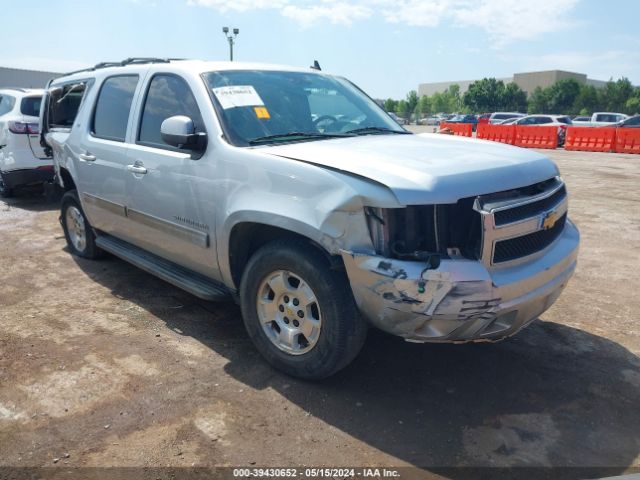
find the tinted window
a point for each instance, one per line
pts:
(167, 96)
(607, 118)
(543, 120)
(527, 121)
(64, 103)
(565, 120)
(633, 121)
(30, 106)
(113, 106)
(6, 103)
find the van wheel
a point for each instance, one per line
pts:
(77, 230)
(5, 192)
(299, 313)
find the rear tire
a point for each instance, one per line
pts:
(5, 192)
(77, 229)
(299, 313)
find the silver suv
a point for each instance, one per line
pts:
(295, 194)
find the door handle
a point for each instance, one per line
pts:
(87, 157)
(137, 169)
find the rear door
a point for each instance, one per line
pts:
(102, 157)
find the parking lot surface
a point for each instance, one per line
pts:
(102, 365)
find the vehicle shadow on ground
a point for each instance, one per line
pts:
(551, 396)
(33, 198)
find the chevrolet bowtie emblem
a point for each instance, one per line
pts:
(549, 220)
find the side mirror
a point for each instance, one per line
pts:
(179, 131)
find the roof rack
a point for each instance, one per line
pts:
(126, 61)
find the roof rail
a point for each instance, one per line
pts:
(126, 61)
(20, 89)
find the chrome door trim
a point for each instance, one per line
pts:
(196, 237)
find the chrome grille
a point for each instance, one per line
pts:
(506, 250)
(520, 223)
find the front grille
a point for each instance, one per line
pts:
(502, 217)
(518, 247)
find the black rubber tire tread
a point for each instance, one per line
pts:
(343, 330)
(91, 250)
(5, 192)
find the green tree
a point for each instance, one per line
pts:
(539, 101)
(486, 95)
(561, 96)
(425, 105)
(454, 100)
(412, 101)
(514, 98)
(390, 105)
(440, 103)
(402, 109)
(587, 100)
(615, 95)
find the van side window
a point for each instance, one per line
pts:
(113, 106)
(168, 95)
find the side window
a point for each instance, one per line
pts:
(167, 96)
(63, 103)
(6, 103)
(113, 106)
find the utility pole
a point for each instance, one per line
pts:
(231, 39)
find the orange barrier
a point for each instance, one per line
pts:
(536, 136)
(497, 133)
(462, 129)
(590, 139)
(627, 140)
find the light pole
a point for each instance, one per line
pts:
(231, 39)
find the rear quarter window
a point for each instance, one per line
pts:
(6, 103)
(30, 106)
(64, 103)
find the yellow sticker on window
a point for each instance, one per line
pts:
(262, 112)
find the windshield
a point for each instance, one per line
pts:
(273, 107)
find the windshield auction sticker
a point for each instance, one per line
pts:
(238, 96)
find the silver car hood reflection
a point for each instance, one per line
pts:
(426, 168)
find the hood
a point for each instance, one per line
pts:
(426, 168)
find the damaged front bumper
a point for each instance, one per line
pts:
(460, 300)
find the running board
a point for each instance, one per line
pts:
(192, 282)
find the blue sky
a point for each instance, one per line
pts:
(387, 47)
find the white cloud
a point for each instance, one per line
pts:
(418, 13)
(336, 12)
(239, 5)
(504, 21)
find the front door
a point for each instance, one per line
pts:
(170, 193)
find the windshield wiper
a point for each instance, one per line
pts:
(374, 130)
(296, 136)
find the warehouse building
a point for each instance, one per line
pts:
(14, 77)
(527, 81)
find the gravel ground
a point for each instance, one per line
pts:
(104, 365)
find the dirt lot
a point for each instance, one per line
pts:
(102, 364)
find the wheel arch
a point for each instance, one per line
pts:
(246, 237)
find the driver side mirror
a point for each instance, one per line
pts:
(179, 131)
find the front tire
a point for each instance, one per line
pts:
(299, 313)
(77, 229)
